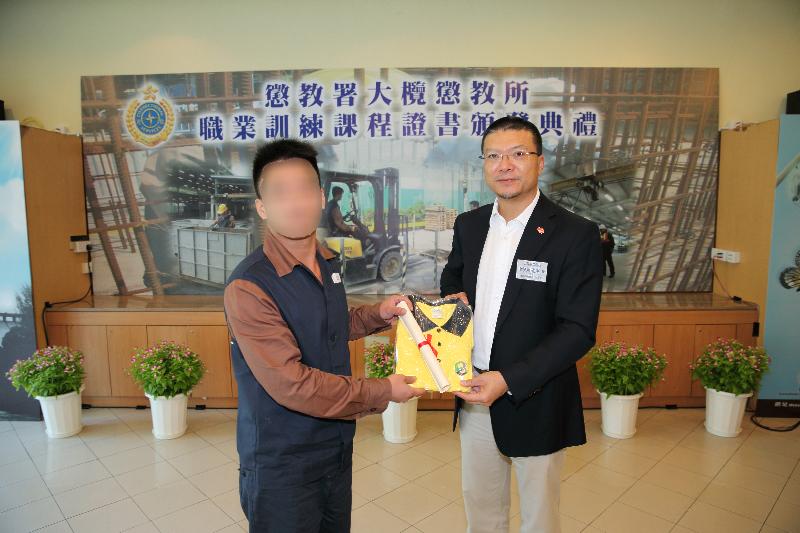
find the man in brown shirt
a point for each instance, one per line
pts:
(287, 311)
(274, 357)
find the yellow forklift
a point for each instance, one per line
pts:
(370, 203)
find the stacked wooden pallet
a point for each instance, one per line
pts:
(451, 218)
(435, 218)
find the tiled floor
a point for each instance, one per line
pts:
(672, 476)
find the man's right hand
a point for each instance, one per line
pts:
(401, 391)
(460, 295)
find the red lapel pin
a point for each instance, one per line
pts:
(540, 230)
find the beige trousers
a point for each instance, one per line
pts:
(486, 480)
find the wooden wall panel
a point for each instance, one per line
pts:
(744, 334)
(676, 341)
(122, 342)
(52, 166)
(58, 335)
(91, 341)
(357, 360)
(747, 167)
(210, 343)
(167, 333)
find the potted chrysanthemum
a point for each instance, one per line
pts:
(54, 376)
(621, 374)
(167, 372)
(730, 373)
(399, 419)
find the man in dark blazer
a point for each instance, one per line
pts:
(533, 273)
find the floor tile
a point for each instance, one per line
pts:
(371, 518)
(32, 516)
(705, 518)
(411, 503)
(167, 499)
(82, 499)
(621, 518)
(119, 516)
(203, 517)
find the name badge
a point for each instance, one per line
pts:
(531, 270)
(336, 277)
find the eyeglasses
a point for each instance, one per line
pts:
(517, 155)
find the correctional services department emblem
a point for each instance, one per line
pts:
(150, 121)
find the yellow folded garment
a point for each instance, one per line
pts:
(447, 326)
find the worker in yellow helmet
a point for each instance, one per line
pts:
(224, 218)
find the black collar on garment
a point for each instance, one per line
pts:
(456, 324)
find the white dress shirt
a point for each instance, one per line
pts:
(498, 253)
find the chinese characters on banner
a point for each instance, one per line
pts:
(320, 112)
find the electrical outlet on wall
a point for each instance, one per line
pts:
(728, 256)
(79, 243)
(732, 257)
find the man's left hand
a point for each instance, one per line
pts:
(486, 388)
(389, 310)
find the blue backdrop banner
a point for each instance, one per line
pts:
(17, 333)
(780, 390)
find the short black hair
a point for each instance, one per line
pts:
(336, 190)
(281, 150)
(514, 123)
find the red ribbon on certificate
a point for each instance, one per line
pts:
(428, 342)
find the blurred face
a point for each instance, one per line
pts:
(512, 175)
(291, 199)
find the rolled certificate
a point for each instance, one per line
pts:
(424, 348)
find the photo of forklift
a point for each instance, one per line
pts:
(366, 226)
(194, 253)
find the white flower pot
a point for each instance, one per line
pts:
(169, 415)
(400, 421)
(724, 412)
(62, 414)
(619, 414)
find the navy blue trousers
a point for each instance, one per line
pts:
(323, 505)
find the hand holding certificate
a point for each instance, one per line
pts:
(425, 349)
(434, 343)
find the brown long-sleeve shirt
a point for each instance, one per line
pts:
(273, 354)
